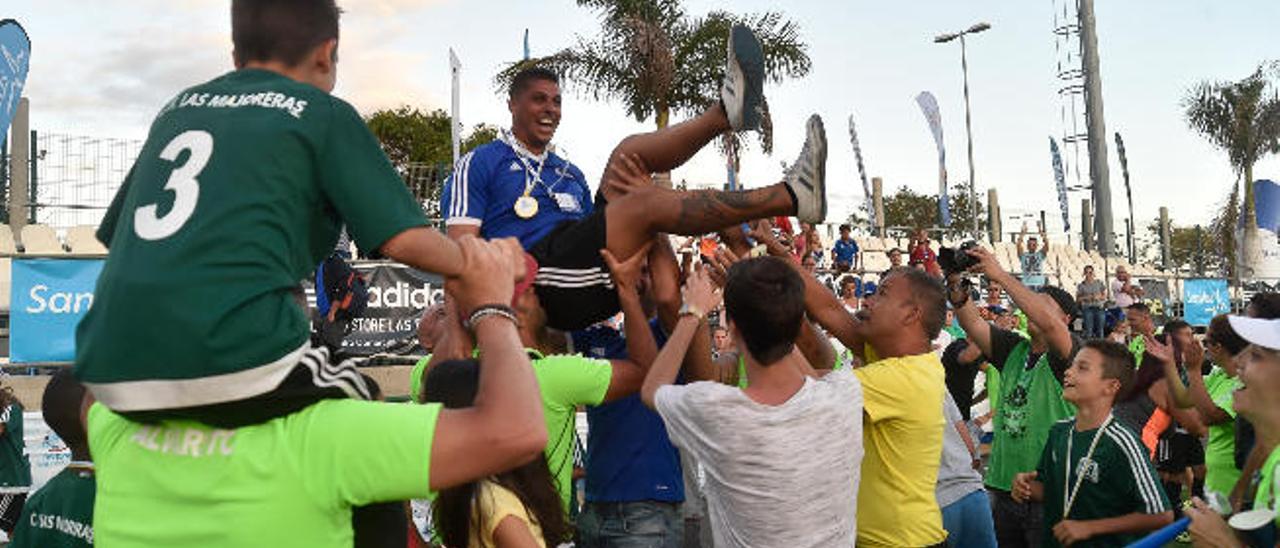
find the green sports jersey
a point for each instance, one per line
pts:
(1118, 479)
(290, 481)
(1221, 473)
(60, 514)
(15, 469)
(1269, 486)
(566, 382)
(416, 375)
(1030, 403)
(236, 196)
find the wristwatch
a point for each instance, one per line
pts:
(692, 311)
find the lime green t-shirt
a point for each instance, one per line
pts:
(1030, 403)
(237, 194)
(415, 378)
(1221, 473)
(1269, 487)
(1138, 347)
(60, 514)
(290, 481)
(566, 382)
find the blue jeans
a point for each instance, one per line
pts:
(1095, 321)
(968, 522)
(644, 524)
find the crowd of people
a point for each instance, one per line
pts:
(738, 402)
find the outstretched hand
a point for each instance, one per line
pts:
(720, 264)
(626, 173)
(626, 274)
(700, 292)
(987, 263)
(491, 271)
(1162, 351)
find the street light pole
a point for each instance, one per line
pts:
(968, 131)
(968, 117)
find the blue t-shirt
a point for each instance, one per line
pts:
(629, 456)
(487, 181)
(845, 251)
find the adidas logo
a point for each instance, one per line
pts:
(515, 166)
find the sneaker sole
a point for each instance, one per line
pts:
(747, 55)
(820, 186)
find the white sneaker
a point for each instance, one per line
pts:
(807, 177)
(742, 92)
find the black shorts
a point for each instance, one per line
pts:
(316, 377)
(573, 283)
(1177, 451)
(11, 510)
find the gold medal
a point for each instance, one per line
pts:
(526, 207)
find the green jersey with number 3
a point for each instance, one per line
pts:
(238, 193)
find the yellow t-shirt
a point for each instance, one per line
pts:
(902, 436)
(498, 502)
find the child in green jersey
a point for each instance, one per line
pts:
(1094, 478)
(60, 514)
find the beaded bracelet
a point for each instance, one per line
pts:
(490, 310)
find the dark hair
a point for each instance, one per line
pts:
(1220, 332)
(63, 397)
(893, 250)
(1065, 301)
(281, 30)
(845, 227)
(1265, 305)
(1176, 324)
(1140, 307)
(528, 76)
(929, 293)
(453, 383)
(765, 299)
(1117, 362)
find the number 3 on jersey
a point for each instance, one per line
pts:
(186, 189)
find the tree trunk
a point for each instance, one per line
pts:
(663, 116)
(1250, 241)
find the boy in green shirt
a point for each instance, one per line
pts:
(1094, 478)
(60, 514)
(238, 192)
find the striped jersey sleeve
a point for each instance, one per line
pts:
(1147, 489)
(465, 197)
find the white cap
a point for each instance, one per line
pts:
(1264, 333)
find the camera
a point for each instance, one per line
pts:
(957, 260)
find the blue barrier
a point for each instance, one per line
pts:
(48, 299)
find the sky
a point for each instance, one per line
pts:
(105, 68)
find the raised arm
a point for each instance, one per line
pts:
(504, 428)
(641, 349)
(1179, 394)
(425, 249)
(1042, 312)
(699, 296)
(975, 328)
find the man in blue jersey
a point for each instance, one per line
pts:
(517, 186)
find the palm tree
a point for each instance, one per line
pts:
(1243, 119)
(657, 60)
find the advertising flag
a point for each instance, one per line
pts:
(929, 106)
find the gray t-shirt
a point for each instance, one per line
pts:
(1095, 288)
(784, 475)
(956, 476)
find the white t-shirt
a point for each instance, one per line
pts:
(1122, 299)
(784, 475)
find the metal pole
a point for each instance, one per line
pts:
(968, 131)
(993, 215)
(1086, 225)
(34, 197)
(1166, 252)
(877, 202)
(455, 108)
(1098, 171)
(19, 166)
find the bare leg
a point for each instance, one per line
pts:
(633, 219)
(668, 148)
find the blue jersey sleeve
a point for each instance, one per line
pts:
(465, 197)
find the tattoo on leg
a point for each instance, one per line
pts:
(706, 211)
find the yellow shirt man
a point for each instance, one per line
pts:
(902, 435)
